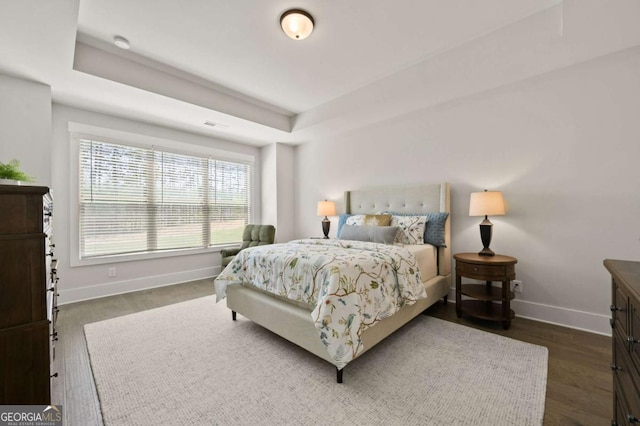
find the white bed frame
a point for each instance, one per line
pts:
(294, 323)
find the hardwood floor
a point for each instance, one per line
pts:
(74, 388)
(579, 383)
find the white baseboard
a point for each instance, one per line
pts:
(565, 317)
(119, 287)
(579, 320)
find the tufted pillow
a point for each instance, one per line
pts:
(374, 234)
(411, 229)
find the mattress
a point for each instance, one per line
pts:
(427, 259)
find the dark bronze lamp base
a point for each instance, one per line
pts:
(326, 223)
(485, 236)
(486, 252)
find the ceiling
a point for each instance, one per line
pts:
(228, 62)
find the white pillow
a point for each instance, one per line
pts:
(411, 229)
(355, 220)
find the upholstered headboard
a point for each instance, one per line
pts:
(407, 199)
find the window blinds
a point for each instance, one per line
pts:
(135, 200)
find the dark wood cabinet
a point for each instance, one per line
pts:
(28, 290)
(625, 322)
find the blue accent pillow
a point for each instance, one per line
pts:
(434, 231)
(342, 220)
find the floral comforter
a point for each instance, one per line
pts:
(353, 285)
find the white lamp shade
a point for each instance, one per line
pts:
(297, 24)
(326, 208)
(486, 203)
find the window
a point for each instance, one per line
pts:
(135, 200)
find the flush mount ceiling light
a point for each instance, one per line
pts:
(121, 42)
(297, 24)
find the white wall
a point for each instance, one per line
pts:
(25, 126)
(277, 189)
(270, 186)
(563, 147)
(286, 194)
(85, 282)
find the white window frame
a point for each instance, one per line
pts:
(80, 131)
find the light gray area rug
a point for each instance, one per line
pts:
(190, 364)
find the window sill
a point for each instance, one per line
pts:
(118, 258)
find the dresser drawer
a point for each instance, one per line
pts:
(633, 338)
(22, 280)
(21, 214)
(25, 352)
(619, 310)
(621, 414)
(626, 380)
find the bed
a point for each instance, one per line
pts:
(294, 320)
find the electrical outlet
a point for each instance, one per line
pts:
(112, 272)
(516, 286)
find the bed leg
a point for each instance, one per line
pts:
(445, 299)
(233, 315)
(338, 375)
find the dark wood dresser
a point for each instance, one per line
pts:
(625, 321)
(28, 292)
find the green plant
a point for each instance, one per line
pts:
(11, 170)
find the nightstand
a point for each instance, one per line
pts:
(498, 268)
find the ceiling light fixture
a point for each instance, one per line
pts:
(297, 24)
(121, 42)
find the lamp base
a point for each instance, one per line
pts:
(486, 252)
(485, 235)
(326, 223)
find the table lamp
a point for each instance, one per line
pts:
(487, 203)
(326, 208)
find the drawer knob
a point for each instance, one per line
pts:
(632, 341)
(614, 308)
(615, 367)
(475, 269)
